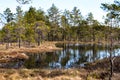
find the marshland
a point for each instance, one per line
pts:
(59, 43)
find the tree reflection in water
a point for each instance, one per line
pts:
(72, 55)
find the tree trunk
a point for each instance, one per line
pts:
(48, 37)
(19, 42)
(7, 46)
(111, 62)
(38, 40)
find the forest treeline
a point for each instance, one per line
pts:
(35, 25)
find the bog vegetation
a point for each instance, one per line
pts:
(37, 25)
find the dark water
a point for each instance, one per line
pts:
(72, 55)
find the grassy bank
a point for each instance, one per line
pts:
(44, 47)
(99, 70)
(42, 74)
(14, 52)
(90, 42)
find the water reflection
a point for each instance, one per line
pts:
(72, 55)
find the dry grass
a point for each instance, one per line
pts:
(45, 47)
(14, 52)
(94, 71)
(11, 56)
(41, 74)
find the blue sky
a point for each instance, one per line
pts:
(85, 6)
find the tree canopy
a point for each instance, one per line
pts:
(35, 26)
